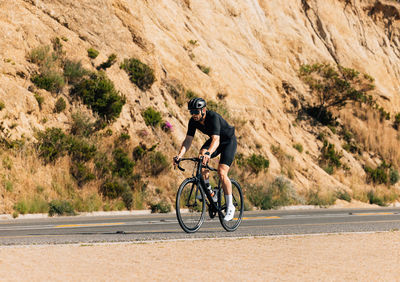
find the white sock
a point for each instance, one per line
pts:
(228, 200)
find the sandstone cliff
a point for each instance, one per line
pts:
(254, 49)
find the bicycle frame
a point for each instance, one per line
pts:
(200, 180)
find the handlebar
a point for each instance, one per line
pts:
(198, 160)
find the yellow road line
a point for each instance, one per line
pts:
(374, 213)
(89, 225)
(260, 217)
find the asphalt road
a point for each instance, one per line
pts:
(91, 229)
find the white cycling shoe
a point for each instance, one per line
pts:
(230, 212)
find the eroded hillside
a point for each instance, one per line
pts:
(245, 56)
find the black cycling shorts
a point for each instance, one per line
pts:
(227, 150)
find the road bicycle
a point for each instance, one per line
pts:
(193, 197)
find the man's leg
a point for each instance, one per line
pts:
(223, 170)
(205, 172)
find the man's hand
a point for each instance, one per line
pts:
(206, 158)
(175, 161)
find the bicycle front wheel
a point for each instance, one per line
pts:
(237, 199)
(190, 206)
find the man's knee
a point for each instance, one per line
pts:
(223, 171)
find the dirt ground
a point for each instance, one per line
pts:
(350, 257)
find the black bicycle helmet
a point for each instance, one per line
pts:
(196, 103)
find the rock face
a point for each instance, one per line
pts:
(254, 49)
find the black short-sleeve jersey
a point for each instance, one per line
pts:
(214, 124)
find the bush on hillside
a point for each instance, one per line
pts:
(82, 125)
(139, 73)
(156, 162)
(73, 71)
(92, 53)
(110, 61)
(162, 207)
(49, 80)
(278, 193)
(123, 166)
(60, 105)
(61, 207)
(334, 87)
(112, 189)
(52, 144)
(330, 158)
(81, 173)
(152, 117)
(99, 93)
(257, 163)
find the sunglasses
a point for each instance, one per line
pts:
(195, 112)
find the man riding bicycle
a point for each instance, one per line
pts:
(222, 141)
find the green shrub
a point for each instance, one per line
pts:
(334, 87)
(52, 144)
(316, 198)
(81, 173)
(80, 150)
(139, 152)
(99, 93)
(204, 69)
(162, 207)
(257, 163)
(61, 207)
(394, 176)
(343, 195)
(91, 203)
(278, 193)
(8, 185)
(373, 198)
(124, 137)
(82, 125)
(92, 53)
(103, 165)
(191, 94)
(2, 105)
(178, 93)
(40, 100)
(39, 54)
(110, 61)
(329, 156)
(112, 189)
(298, 147)
(21, 207)
(379, 175)
(60, 105)
(151, 117)
(74, 71)
(139, 73)
(396, 123)
(123, 165)
(49, 80)
(157, 163)
(127, 198)
(34, 205)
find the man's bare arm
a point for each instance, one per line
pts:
(214, 143)
(185, 146)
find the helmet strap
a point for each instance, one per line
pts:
(202, 114)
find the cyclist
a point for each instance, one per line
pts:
(222, 141)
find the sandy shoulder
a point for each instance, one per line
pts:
(352, 257)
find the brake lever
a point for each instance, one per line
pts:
(177, 162)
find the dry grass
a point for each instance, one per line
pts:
(372, 134)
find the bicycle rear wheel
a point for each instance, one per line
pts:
(190, 206)
(237, 199)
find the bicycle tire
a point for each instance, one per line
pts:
(190, 211)
(238, 201)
